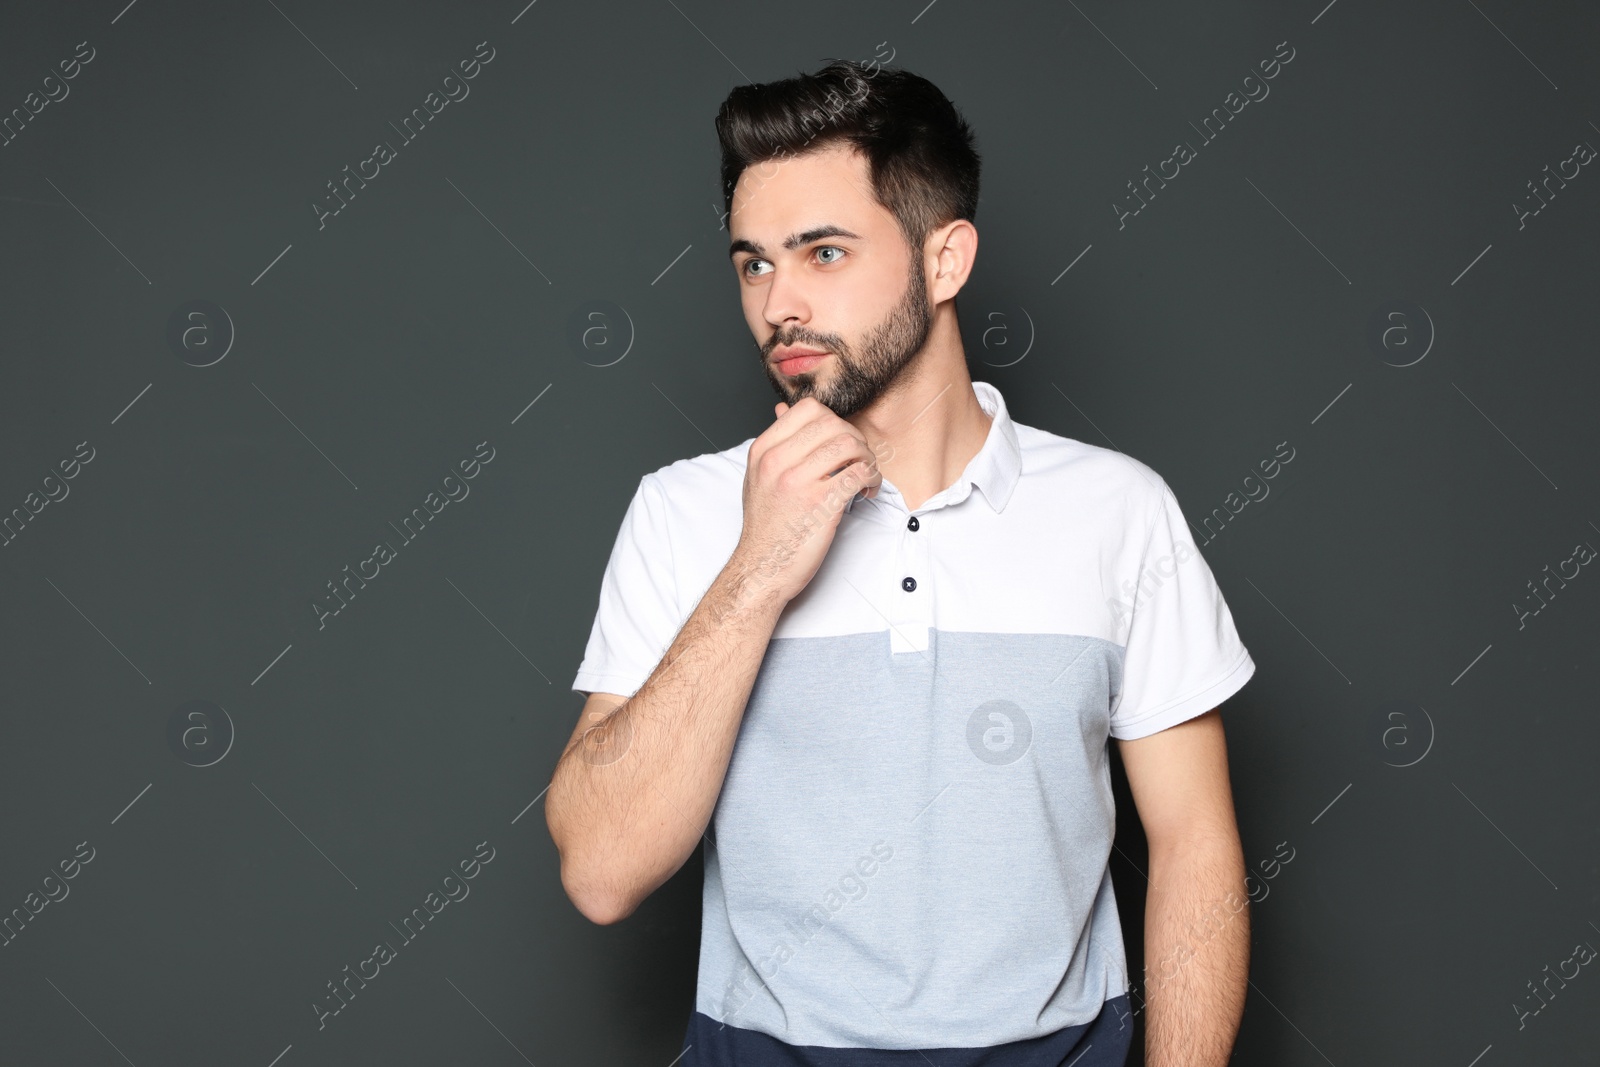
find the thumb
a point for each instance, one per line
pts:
(781, 407)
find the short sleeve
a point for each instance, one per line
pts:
(1183, 656)
(637, 617)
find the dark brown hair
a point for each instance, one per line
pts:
(923, 162)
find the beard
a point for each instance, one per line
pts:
(859, 377)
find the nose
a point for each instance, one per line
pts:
(786, 304)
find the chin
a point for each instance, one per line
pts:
(794, 389)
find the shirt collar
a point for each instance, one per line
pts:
(998, 464)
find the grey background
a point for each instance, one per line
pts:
(435, 312)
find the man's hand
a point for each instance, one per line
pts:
(802, 471)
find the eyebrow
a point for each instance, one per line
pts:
(793, 241)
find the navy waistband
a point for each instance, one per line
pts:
(1101, 1042)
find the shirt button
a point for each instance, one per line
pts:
(909, 584)
(913, 524)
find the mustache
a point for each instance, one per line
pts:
(823, 343)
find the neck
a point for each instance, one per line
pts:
(928, 424)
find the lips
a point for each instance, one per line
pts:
(800, 364)
(795, 359)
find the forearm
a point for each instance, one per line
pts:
(1197, 930)
(631, 797)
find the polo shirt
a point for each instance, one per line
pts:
(908, 857)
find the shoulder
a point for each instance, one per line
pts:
(703, 477)
(1069, 470)
(700, 494)
(696, 513)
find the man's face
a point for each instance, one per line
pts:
(822, 265)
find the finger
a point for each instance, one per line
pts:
(862, 478)
(835, 454)
(800, 425)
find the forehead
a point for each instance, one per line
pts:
(778, 196)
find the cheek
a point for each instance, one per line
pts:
(859, 303)
(847, 303)
(752, 300)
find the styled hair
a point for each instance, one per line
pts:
(923, 163)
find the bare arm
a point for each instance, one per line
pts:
(1197, 921)
(637, 785)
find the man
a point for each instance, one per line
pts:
(873, 655)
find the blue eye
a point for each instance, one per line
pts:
(753, 261)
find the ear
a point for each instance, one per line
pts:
(952, 248)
